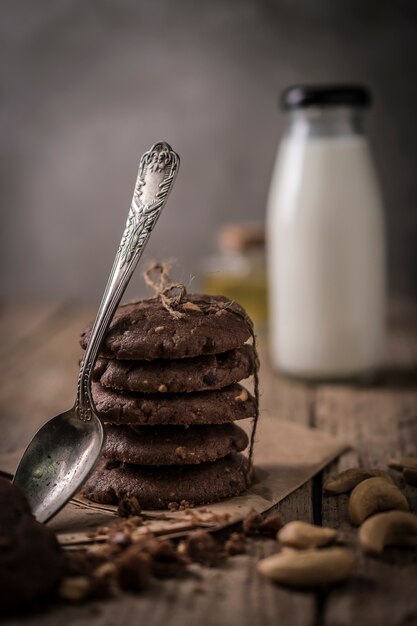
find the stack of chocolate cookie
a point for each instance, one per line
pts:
(167, 388)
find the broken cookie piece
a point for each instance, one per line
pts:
(31, 562)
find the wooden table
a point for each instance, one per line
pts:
(39, 353)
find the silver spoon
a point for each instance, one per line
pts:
(66, 449)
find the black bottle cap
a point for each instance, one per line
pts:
(301, 96)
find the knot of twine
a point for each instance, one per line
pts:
(171, 294)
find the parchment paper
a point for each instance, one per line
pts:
(287, 455)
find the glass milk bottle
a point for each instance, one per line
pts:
(325, 239)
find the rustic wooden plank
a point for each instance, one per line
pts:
(379, 423)
(38, 382)
(19, 322)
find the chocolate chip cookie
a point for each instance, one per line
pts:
(172, 445)
(145, 330)
(156, 487)
(203, 407)
(181, 375)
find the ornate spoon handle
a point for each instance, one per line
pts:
(157, 171)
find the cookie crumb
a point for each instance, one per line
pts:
(75, 588)
(105, 571)
(235, 544)
(191, 306)
(271, 525)
(100, 552)
(133, 569)
(165, 560)
(128, 506)
(181, 452)
(104, 580)
(200, 547)
(184, 505)
(255, 524)
(162, 388)
(121, 538)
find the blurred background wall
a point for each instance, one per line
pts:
(87, 86)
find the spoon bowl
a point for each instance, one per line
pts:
(59, 459)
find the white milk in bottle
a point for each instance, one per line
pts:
(325, 239)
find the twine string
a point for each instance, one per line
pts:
(171, 294)
(252, 439)
(249, 473)
(256, 393)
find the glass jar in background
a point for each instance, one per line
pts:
(237, 270)
(325, 239)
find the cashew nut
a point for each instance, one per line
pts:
(347, 480)
(403, 462)
(393, 528)
(308, 568)
(302, 535)
(410, 475)
(374, 495)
